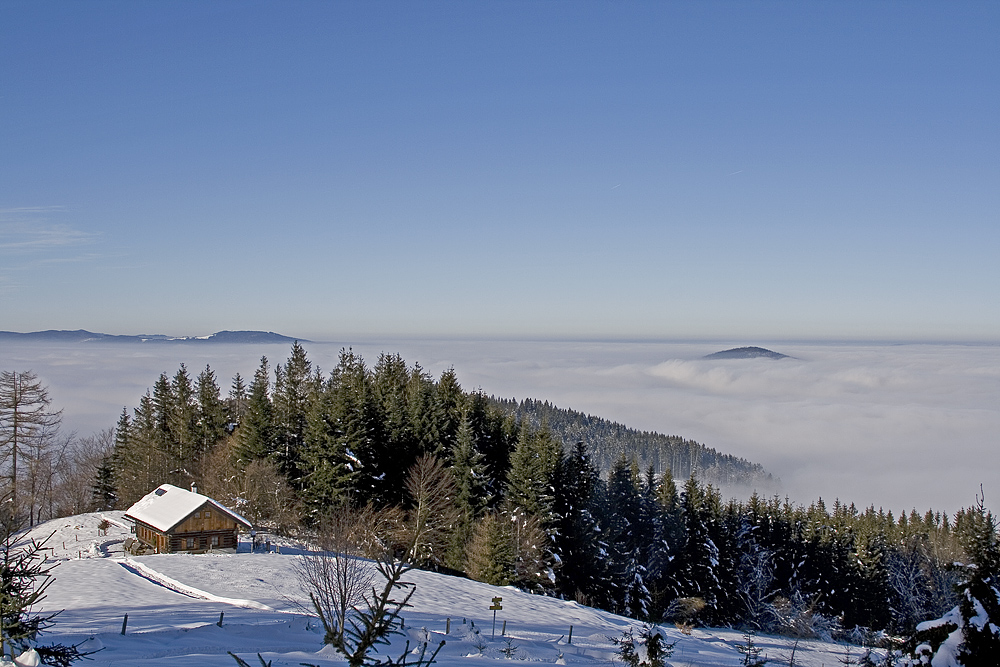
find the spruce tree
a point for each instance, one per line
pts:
(210, 422)
(255, 434)
(627, 539)
(181, 419)
(104, 492)
(327, 471)
(468, 472)
(446, 413)
(579, 542)
(969, 634)
(293, 388)
(236, 404)
(390, 389)
(695, 575)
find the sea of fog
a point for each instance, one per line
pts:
(898, 426)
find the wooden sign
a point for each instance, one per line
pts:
(496, 604)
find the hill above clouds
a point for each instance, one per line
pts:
(747, 353)
(84, 336)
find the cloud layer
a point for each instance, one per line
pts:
(899, 426)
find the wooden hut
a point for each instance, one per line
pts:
(172, 519)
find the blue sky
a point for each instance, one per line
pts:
(587, 169)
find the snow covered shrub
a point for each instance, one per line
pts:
(968, 635)
(797, 617)
(684, 610)
(648, 650)
(750, 651)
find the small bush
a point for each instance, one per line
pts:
(648, 650)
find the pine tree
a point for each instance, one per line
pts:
(327, 471)
(969, 632)
(104, 492)
(627, 539)
(293, 388)
(354, 413)
(695, 575)
(468, 472)
(490, 557)
(582, 574)
(182, 418)
(236, 405)
(533, 471)
(210, 421)
(390, 387)
(446, 413)
(255, 435)
(496, 435)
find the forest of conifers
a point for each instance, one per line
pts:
(518, 497)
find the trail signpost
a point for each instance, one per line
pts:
(495, 608)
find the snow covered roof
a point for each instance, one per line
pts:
(169, 505)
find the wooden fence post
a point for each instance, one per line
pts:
(124, 623)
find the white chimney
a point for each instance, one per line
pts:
(194, 487)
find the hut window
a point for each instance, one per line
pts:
(197, 515)
(208, 514)
(215, 540)
(190, 543)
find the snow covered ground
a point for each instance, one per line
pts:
(174, 603)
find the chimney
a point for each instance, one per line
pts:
(194, 487)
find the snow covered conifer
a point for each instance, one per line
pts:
(969, 634)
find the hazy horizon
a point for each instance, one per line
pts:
(899, 426)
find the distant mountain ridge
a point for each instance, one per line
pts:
(747, 353)
(84, 336)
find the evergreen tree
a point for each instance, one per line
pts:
(25, 574)
(354, 414)
(236, 405)
(666, 534)
(181, 419)
(697, 559)
(969, 634)
(293, 388)
(446, 413)
(327, 471)
(490, 557)
(255, 436)
(582, 574)
(468, 472)
(390, 386)
(104, 492)
(210, 423)
(532, 476)
(627, 538)
(495, 434)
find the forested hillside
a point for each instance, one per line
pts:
(607, 441)
(511, 495)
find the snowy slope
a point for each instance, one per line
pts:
(173, 602)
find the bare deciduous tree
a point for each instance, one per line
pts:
(755, 586)
(26, 422)
(257, 490)
(75, 463)
(336, 579)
